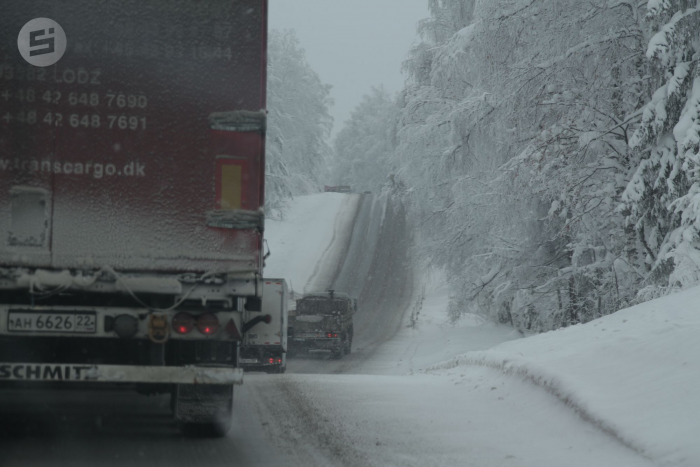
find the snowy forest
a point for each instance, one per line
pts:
(548, 151)
(298, 153)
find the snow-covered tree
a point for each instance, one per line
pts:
(663, 196)
(579, 164)
(513, 143)
(299, 122)
(548, 151)
(364, 146)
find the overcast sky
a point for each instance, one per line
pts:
(352, 44)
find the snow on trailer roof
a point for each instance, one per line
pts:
(324, 302)
(333, 295)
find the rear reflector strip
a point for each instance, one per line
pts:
(231, 186)
(39, 372)
(232, 181)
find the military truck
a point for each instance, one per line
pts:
(322, 322)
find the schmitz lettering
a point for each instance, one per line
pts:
(44, 372)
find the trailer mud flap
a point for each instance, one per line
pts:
(47, 372)
(203, 403)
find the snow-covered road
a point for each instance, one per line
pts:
(401, 398)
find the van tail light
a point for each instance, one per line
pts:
(232, 330)
(208, 323)
(183, 323)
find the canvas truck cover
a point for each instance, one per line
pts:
(142, 148)
(323, 304)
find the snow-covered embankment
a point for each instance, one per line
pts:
(308, 238)
(634, 374)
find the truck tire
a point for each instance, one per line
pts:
(347, 341)
(206, 430)
(276, 370)
(338, 353)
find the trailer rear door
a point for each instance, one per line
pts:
(274, 303)
(133, 150)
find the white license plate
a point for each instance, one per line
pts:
(248, 360)
(23, 321)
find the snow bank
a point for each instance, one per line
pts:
(332, 256)
(634, 374)
(477, 418)
(298, 241)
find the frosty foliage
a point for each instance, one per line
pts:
(298, 123)
(364, 146)
(549, 153)
(663, 196)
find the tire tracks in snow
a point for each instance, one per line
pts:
(303, 430)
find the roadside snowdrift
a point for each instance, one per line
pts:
(634, 374)
(477, 418)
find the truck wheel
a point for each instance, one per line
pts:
(351, 333)
(206, 430)
(338, 353)
(347, 342)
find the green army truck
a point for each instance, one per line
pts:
(322, 323)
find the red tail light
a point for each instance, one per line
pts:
(208, 323)
(183, 323)
(332, 334)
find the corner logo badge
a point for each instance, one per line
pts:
(42, 42)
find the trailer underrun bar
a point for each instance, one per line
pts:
(67, 372)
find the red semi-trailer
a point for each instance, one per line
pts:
(131, 197)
